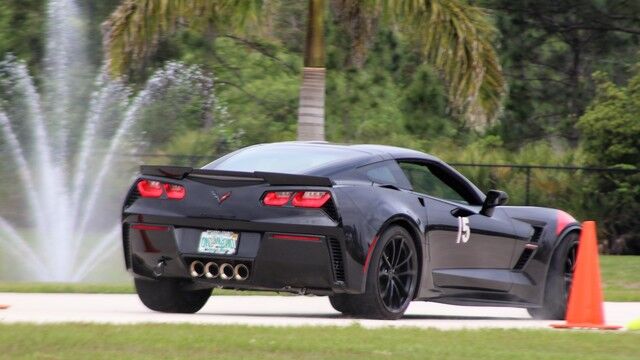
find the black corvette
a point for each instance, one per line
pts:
(373, 227)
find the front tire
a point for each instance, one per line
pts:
(169, 296)
(391, 278)
(559, 280)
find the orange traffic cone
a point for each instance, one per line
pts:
(584, 309)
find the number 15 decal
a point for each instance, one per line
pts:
(464, 232)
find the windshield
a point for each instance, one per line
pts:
(290, 159)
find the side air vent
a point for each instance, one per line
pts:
(522, 261)
(528, 251)
(336, 259)
(133, 195)
(537, 233)
(330, 209)
(126, 246)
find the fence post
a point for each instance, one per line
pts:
(528, 186)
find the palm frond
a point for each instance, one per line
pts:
(457, 39)
(133, 31)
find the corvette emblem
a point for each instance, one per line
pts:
(221, 198)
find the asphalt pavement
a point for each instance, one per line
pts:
(270, 311)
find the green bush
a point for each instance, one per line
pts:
(611, 137)
(547, 188)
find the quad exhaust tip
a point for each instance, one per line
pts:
(197, 269)
(241, 272)
(225, 271)
(211, 270)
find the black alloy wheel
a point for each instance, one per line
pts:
(392, 277)
(570, 268)
(397, 272)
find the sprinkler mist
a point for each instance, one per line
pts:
(63, 148)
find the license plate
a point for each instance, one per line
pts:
(218, 242)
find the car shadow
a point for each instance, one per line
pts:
(340, 316)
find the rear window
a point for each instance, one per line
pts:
(281, 159)
(386, 173)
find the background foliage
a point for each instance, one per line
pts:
(556, 111)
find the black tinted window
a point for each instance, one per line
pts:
(423, 180)
(290, 159)
(386, 173)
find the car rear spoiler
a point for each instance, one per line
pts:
(181, 172)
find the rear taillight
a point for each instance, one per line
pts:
(276, 198)
(175, 192)
(310, 199)
(150, 188)
(305, 199)
(155, 189)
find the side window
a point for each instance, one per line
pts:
(386, 173)
(423, 180)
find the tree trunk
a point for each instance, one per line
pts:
(311, 109)
(210, 36)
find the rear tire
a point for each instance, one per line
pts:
(391, 278)
(559, 279)
(342, 303)
(169, 296)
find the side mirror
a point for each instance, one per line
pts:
(494, 198)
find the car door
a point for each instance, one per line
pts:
(466, 249)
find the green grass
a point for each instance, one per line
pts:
(620, 277)
(162, 341)
(33, 287)
(620, 281)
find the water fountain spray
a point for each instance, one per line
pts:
(63, 177)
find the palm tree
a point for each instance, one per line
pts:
(311, 109)
(455, 38)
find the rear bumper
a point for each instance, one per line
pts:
(311, 261)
